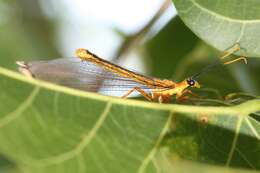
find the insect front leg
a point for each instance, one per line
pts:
(191, 93)
(231, 50)
(237, 59)
(142, 92)
(181, 97)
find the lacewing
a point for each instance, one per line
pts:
(91, 73)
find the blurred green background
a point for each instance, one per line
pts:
(155, 43)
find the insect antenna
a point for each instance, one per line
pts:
(217, 64)
(206, 69)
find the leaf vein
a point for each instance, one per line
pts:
(20, 109)
(223, 17)
(252, 128)
(241, 32)
(244, 158)
(151, 154)
(80, 147)
(234, 142)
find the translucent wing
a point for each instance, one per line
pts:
(73, 72)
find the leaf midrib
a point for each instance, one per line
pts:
(137, 103)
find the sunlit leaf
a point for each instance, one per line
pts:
(48, 128)
(223, 23)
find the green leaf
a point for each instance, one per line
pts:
(182, 54)
(49, 128)
(187, 166)
(223, 23)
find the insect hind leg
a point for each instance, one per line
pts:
(141, 91)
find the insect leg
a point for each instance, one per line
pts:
(191, 93)
(183, 96)
(142, 92)
(230, 51)
(235, 60)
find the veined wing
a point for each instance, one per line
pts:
(83, 75)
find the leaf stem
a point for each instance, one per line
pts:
(132, 40)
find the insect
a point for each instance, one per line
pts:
(80, 73)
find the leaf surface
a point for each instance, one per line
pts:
(223, 23)
(49, 128)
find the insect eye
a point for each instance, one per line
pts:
(191, 82)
